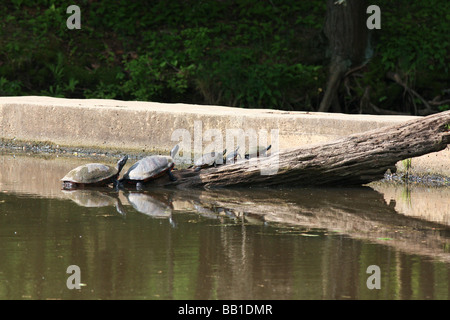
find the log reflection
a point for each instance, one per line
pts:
(358, 212)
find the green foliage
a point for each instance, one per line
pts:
(417, 39)
(255, 54)
(150, 77)
(242, 53)
(12, 88)
(101, 91)
(407, 164)
(413, 42)
(238, 63)
(234, 80)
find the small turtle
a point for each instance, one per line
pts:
(93, 174)
(257, 151)
(208, 160)
(232, 156)
(150, 168)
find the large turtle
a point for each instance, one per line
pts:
(209, 159)
(93, 174)
(150, 168)
(257, 151)
(232, 156)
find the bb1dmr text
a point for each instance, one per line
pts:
(226, 309)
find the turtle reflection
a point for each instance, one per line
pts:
(224, 214)
(149, 205)
(95, 199)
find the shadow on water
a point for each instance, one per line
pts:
(216, 244)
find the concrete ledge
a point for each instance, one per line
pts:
(148, 126)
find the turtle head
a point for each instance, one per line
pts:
(231, 158)
(121, 162)
(174, 151)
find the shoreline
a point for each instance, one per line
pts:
(110, 128)
(49, 150)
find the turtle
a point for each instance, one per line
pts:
(232, 156)
(209, 159)
(257, 151)
(150, 168)
(93, 175)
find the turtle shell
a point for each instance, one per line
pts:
(148, 168)
(91, 173)
(207, 159)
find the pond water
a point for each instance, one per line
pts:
(218, 244)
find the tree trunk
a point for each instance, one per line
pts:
(354, 160)
(346, 30)
(330, 98)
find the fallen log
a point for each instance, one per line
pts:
(354, 160)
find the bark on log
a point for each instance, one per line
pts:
(353, 160)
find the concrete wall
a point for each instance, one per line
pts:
(148, 126)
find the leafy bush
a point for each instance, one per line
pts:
(253, 54)
(9, 88)
(413, 42)
(242, 53)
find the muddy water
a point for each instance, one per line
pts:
(220, 244)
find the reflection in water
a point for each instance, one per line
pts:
(422, 202)
(95, 199)
(149, 205)
(361, 213)
(228, 244)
